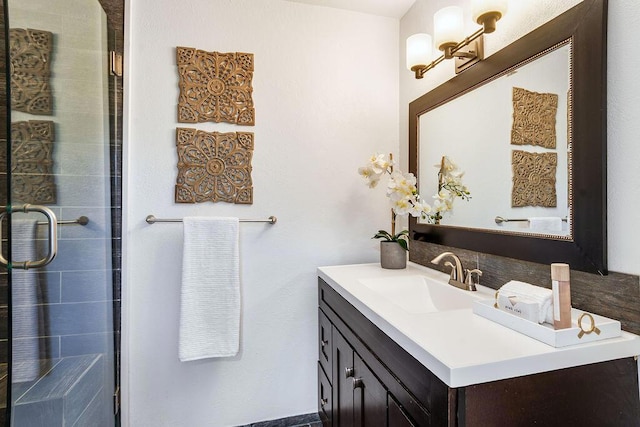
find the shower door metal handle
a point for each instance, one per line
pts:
(52, 226)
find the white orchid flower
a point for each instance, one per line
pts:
(378, 164)
(420, 209)
(402, 207)
(403, 193)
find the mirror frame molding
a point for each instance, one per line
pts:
(586, 25)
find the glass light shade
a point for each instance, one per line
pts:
(418, 50)
(448, 24)
(483, 7)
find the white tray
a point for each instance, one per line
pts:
(609, 328)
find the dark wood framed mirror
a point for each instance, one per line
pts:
(585, 248)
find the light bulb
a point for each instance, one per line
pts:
(488, 12)
(418, 51)
(448, 27)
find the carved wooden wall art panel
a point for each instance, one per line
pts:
(32, 179)
(534, 179)
(214, 166)
(215, 87)
(534, 118)
(30, 53)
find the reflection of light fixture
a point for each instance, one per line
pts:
(449, 37)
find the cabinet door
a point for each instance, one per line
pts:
(342, 381)
(397, 417)
(369, 395)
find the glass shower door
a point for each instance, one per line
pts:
(61, 257)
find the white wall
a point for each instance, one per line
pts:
(326, 97)
(623, 128)
(623, 89)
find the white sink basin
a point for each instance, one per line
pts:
(420, 294)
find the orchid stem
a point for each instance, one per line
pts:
(393, 213)
(393, 223)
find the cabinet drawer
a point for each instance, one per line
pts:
(325, 402)
(325, 343)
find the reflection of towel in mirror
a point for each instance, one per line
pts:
(526, 291)
(24, 289)
(545, 223)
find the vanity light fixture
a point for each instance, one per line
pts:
(449, 37)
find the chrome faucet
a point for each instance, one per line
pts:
(459, 277)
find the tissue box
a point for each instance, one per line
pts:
(520, 307)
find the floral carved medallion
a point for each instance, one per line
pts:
(30, 53)
(32, 179)
(534, 118)
(215, 87)
(534, 179)
(214, 166)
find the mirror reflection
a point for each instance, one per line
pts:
(515, 150)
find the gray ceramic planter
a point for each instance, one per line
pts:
(392, 256)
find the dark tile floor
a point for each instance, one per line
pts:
(306, 420)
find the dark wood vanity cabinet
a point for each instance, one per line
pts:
(357, 395)
(355, 386)
(365, 379)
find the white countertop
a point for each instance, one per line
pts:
(458, 346)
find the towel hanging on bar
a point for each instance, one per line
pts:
(500, 220)
(210, 291)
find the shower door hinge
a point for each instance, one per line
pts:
(115, 63)
(116, 401)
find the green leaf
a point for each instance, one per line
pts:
(381, 234)
(403, 243)
(403, 233)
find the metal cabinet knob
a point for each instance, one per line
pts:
(323, 343)
(348, 372)
(323, 401)
(357, 383)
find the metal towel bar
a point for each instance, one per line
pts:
(500, 220)
(152, 220)
(83, 220)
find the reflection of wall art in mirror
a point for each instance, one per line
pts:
(534, 179)
(214, 166)
(215, 87)
(32, 179)
(534, 118)
(30, 53)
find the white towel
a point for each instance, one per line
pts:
(25, 287)
(526, 291)
(545, 223)
(210, 295)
